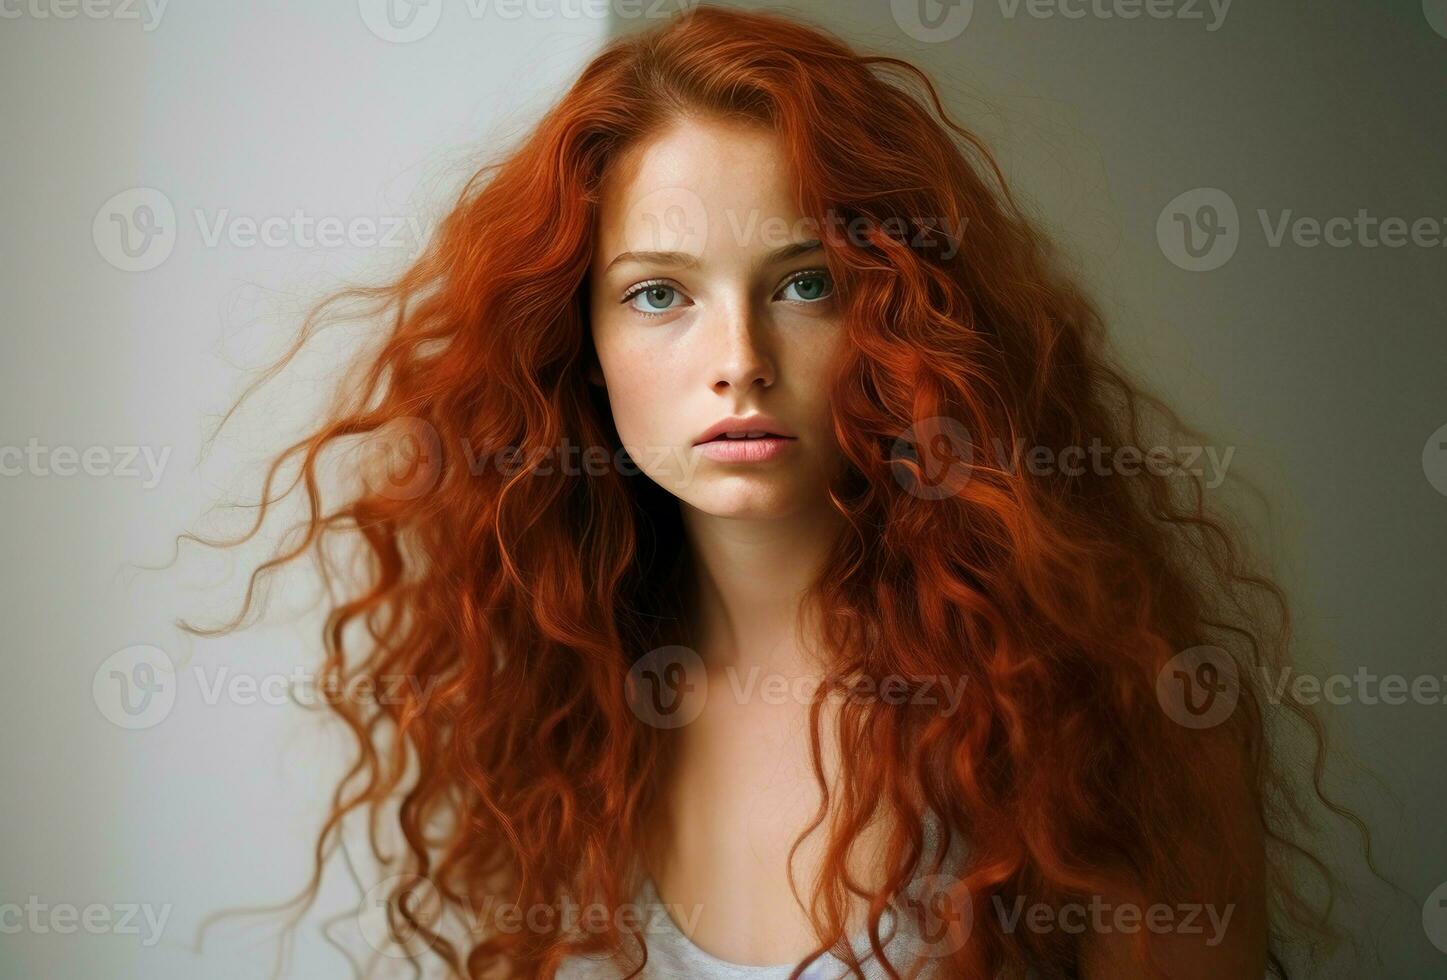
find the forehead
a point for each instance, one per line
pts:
(699, 186)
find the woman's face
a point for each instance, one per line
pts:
(710, 302)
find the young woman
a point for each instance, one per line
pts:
(754, 563)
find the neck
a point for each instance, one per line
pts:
(745, 593)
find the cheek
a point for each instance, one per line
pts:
(638, 389)
(635, 406)
(814, 360)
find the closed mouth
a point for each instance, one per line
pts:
(734, 436)
(743, 428)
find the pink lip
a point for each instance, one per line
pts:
(746, 450)
(758, 422)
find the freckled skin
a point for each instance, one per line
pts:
(729, 343)
(733, 338)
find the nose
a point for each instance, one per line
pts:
(743, 358)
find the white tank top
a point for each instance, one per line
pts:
(672, 955)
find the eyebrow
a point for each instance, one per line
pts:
(688, 260)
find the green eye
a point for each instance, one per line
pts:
(652, 299)
(658, 297)
(810, 287)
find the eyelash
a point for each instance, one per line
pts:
(643, 287)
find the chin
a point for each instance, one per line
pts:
(746, 498)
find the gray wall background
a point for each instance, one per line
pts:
(1321, 367)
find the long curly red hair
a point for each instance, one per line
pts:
(518, 597)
